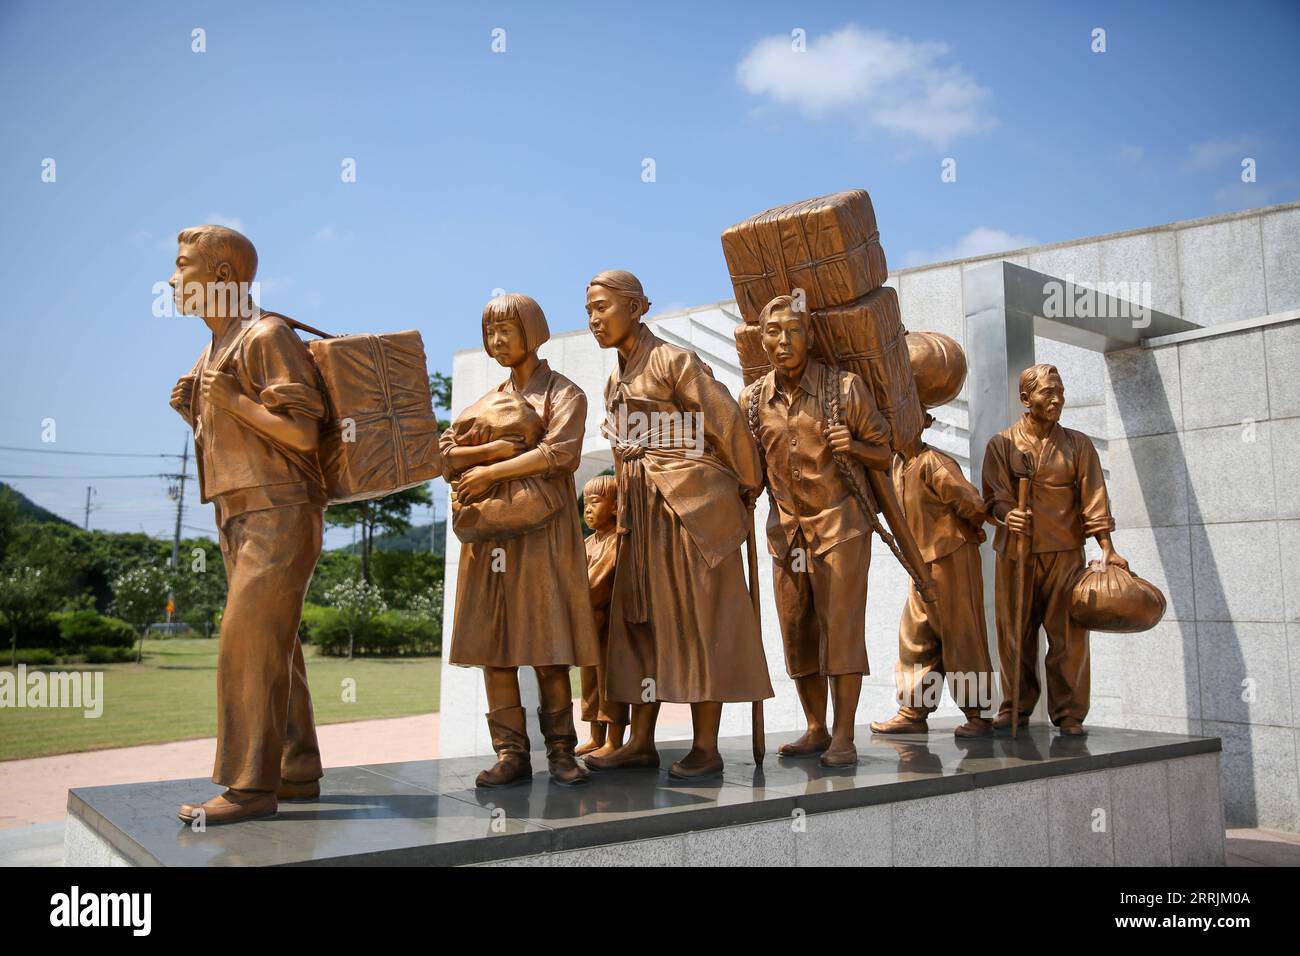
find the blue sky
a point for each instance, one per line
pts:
(523, 169)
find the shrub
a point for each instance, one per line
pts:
(200, 622)
(37, 657)
(413, 633)
(314, 617)
(108, 655)
(83, 629)
(390, 634)
(41, 632)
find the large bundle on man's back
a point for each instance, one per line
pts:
(868, 337)
(754, 363)
(828, 250)
(381, 434)
(827, 246)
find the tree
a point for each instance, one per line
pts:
(427, 603)
(333, 567)
(440, 388)
(10, 516)
(139, 598)
(390, 515)
(199, 584)
(403, 574)
(357, 603)
(26, 598)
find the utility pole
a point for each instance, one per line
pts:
(89, 492)
(180, 501)
(180, 511)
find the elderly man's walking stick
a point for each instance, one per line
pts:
(756, 730)
(1018, 604)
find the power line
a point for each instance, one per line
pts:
(97, 454)
(92, 477)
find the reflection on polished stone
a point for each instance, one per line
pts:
(429, 812)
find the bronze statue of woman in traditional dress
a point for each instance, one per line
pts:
(682, 627)
(522, 601)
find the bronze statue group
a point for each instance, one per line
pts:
(655, 604)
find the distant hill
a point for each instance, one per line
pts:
(417, 539)
(31, 511)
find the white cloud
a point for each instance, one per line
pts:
(980, 241)
(325, 234)
(1238, 195)
(892, 83)
(230, 222)
(1215, 152)
(1132, 154)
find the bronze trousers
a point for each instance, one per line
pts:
(594, 705)
(946, 640)
(821, 603)
(1046, 604)
(265, 728)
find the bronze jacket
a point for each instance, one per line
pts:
(806, 489)
(702, 475)
(944, 511)
(274, 368)
(1067, 492)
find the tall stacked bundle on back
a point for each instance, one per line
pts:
(829, 248)
(868, 337)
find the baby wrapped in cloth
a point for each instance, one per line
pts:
(511, 508)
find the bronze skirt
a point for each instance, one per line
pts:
(702, 641)
(523, 602)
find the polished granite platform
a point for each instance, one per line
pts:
(429, 813)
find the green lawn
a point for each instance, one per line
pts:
(172, 695)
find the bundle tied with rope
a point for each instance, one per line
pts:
(826, 253)
(873, 496)
(380, 434)
(828, 246)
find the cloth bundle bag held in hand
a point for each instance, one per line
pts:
(512, 508)
(1115, 600)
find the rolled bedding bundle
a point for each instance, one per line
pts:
(511, 508)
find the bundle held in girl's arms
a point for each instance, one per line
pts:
(511, 508)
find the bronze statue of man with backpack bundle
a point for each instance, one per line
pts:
(279, 429)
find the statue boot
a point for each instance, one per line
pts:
(510, 741)
(561, 740)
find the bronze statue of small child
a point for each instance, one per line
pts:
(607, 718)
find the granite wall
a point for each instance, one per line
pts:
(1204, 458)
